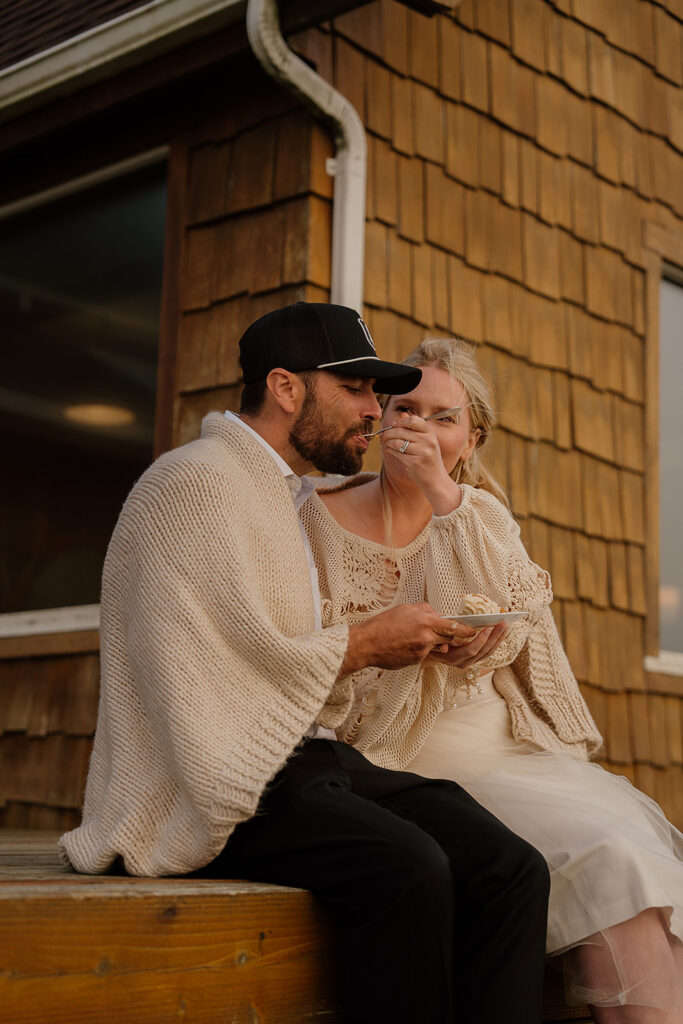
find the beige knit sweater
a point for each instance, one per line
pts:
(211, 671)
(476, 549)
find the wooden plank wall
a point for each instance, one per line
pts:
(515, 151)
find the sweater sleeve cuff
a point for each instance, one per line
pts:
(464, 509)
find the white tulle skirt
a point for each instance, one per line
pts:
(613, 856)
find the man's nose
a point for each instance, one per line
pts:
(371, 408)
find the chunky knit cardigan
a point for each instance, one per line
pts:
(475, 549)
(211, 670)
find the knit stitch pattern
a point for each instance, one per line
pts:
(211, 671)
(475, 549)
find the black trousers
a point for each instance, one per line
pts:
(441, 910)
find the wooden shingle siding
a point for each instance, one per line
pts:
(516, 151)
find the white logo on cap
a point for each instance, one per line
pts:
(366, 332)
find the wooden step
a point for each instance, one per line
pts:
(101, 949)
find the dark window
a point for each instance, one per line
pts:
(80, 286)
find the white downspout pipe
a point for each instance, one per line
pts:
(349, 166)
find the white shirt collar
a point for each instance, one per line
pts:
(299, 487)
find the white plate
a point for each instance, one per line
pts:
(488, 620)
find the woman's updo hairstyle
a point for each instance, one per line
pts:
(456, 357)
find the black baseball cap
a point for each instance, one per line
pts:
(320, 336)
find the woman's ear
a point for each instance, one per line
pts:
(287, 388)
(471, 444)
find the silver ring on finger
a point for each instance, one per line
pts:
(404, 447)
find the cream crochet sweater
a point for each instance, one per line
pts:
(475, 549)
(211, 670)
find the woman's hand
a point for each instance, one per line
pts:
(421, 460)
(467, 653)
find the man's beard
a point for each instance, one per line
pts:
(312, 439)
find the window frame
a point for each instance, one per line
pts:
(663, 251)
(75, 628)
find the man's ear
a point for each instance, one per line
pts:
(287, 388)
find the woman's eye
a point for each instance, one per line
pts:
(402, 408)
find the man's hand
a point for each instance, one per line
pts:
(466, 655)
(401, 636)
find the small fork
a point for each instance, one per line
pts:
(435, 416)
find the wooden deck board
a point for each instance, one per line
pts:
(78, 949)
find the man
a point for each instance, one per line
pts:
(220, 691)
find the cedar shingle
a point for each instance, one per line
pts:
(349, 72)
(295, 251)
(497, 311)
(519, 320)
(654, 107)
(445, 216)
(628, 144)
(376, 244)
(552, 123)
(571, 267)
(537, 543)
(528, 162)
(199, 262)
(384, 183)
(474, 63)
(629, 75)
(585, 216)
(592, 12)
(608, 141)
(543, 388)
(449, 58)
(462, 144)
(520, 454)
(629, 432)
(378, 116)
(363, 26)
(607, 356)
(207, 181)
(555, 482)
(618, 576)
(640, 729)
(579, 333)
(250, 179)
(191, 409)
(638, 295)
(577, 113)
(659, 733)
(562, 410)
(423, 308)
(541, 257)
(563, 572)
(592, 419)
(574, 55)
(528, 32)
(399, 274)
(395, 23)
(440, 284)
(517, 399)
(493, 20)
(477, 228)
(618, 729)
(632, 493)
(547, 190)
(429, 123)
(410, 185)
(506, 240)
(593, 631)
(612, 218)
(545, 327)
(667, 32)
(490, 159)
(574, 639)
(510, 168)
(402, 114)
(322, 147)
(563, 193)
(199, 342)
(553, 45)
(635, 558)
(292, 157)
(672, 717)
(512, 92)
(601, 70)
(423, 51)
(466, 306)
(464, 12)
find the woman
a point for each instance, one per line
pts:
(504, 716)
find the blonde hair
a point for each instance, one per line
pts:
(456, 357)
